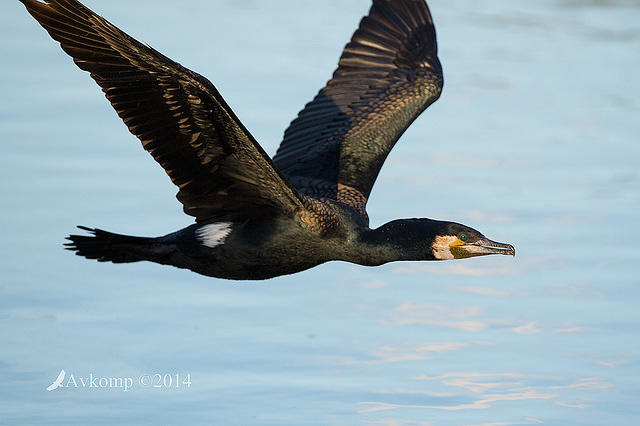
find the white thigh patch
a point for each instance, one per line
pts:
(214, 234)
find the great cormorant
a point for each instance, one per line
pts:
(256, 217)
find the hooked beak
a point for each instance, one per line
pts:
(482, 247)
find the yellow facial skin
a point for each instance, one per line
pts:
(460, 252)
(457, 242)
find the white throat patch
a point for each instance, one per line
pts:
(441, 249)
(214, 234)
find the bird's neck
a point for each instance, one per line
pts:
(404, 239)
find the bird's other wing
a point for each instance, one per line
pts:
(387, 75)
(179, 116)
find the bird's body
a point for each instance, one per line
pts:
(258, 218)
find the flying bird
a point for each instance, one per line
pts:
(256, 217)
(57, 383)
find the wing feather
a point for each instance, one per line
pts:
(178, 115)
(387, 75)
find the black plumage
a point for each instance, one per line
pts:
(387, 75)
(257, 218)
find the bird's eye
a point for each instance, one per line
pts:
(463, 237)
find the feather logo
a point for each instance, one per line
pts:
(57, 383)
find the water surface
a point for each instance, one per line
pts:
(534, 142)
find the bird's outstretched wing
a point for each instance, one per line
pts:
(178, 115)
(387, 75)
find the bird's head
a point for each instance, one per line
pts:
(455, 241)
(426, 239)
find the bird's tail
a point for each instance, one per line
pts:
(109, 247)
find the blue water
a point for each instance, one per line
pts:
(534, 142)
